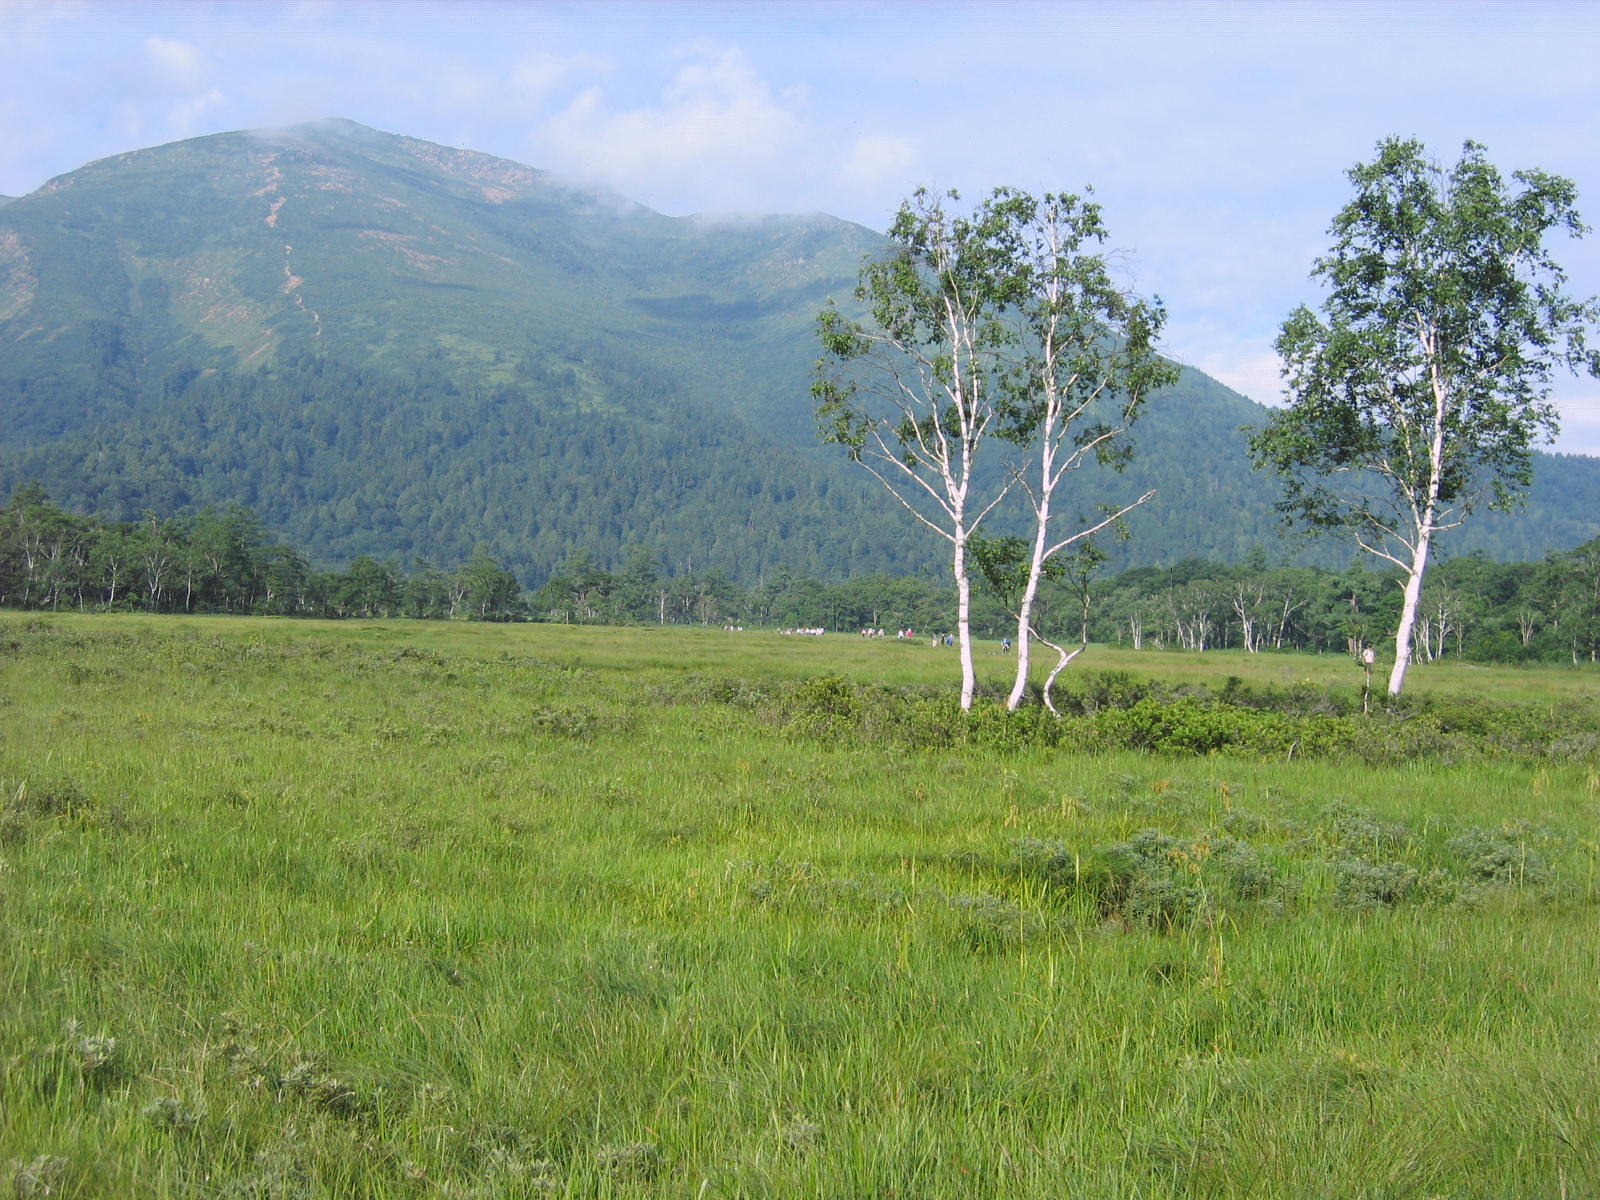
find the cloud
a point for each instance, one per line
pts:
(877, 161)
(534, 78)
(718, 131)
(175, 63)
(186, 116)
(175, 91)
(1253, 373)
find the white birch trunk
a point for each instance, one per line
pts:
(1064, 657)
(1527, 622)
(1025, 610)
(1425, 522)
(1408, 613)
(964, 619)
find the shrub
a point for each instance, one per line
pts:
(1190, 726)
(41, 1176)
(629, 1158)
(824, 706)
(49, 797)
(1345, 826)
(994, 923)
(1501, 856)
(1362, 884)
(1096, 690)
(1044, 859)
(1246, 874)
(1150, 880)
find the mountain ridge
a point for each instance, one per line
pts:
(391, 347)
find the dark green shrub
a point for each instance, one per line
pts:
(1093, 691)
(990, 726)
(990, 922)
(1150, 880)
(1047, 860)
(49, 797)
(1246, 875)
(825, 706)
(1159, 901)
(1242, 823)
(1190, 726)
(574, 724)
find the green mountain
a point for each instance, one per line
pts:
(391, 347)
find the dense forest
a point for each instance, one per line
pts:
(226, 561)
(366, 462)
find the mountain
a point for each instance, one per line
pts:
(391, 347)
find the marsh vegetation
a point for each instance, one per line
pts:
(411, 909)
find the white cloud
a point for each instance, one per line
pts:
(1252, 374)
(536, 77)
(186, 116)
(719, 132)
(877, 161)
(175, 95)
(175, 63)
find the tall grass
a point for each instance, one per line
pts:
(432, 910)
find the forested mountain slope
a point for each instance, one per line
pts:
(390, 347)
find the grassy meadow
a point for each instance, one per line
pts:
(295, 909)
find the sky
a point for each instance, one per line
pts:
(1216, 136)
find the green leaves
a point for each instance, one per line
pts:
(1003, 320)
(1422, 388)
(1442, 326)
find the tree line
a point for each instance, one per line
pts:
(1470, 608)
(222, 561)
(225, 561)
(1473, 608)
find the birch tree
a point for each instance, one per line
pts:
(913, 389)
(1421, 390)
(1000, 324)
(1248, 597)
(1089, 364)
(1007, 567)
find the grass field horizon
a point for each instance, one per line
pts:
(412, 909)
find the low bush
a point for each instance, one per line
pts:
(1115, 712)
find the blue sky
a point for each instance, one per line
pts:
(1216, 136)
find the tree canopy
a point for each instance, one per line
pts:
(1421, 389)
(915, 387)
(999, 323)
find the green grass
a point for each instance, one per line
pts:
(396, 910)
